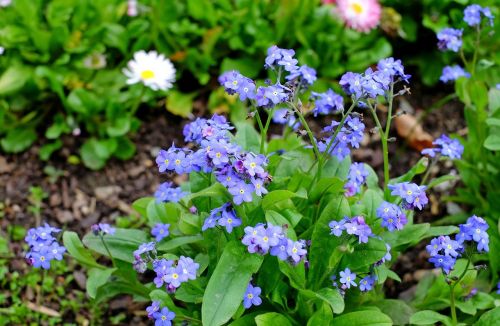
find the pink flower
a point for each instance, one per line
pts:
(361, 15)
(327, 2)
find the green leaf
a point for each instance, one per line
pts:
(333, 298)
(272, 319)
(326, 185)
(489, 318)
(322, 316)
(296, 274)
(366, 254)
(429, 317)
(179, 241)
(125, 148)
(49, 148)
(363, 318)
(119, 127)
(13, 79)
(122, 244)
(18, 139)
(418, 168)
(398, 310)
(492, 142)
(141, 204)
(96, 152)
(247, 137)
(83, 101)
(166, 301)
(179, 103)
(76, 249)
(324, 253)
(216, 190)
(96, 278)
(274, 198)
(371, 200)
(228, 284)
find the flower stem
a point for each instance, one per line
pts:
(263, 134)
(261, 128)
(453, 309)
(138, 101)
(107, 249)
(308, 130)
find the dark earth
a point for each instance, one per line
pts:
(79, 197)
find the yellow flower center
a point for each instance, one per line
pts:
(252, 165)
(249, 295)
(242, 191)
(218, 155)
(163, 317)
(348, 278)
(409, 192)
(167, 161)
(294, 250)
(265, 239)
(175, 276)
(257, 186)
(357, 8)
(229, 220)
(42, 258)
(177, 162)
(147, 74)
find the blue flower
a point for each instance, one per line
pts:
(269, 237)
(472, 15)
(258, 184)
(475, 230)
(280, 250)
(451, 73)
(434, 247)
(366, 283)
(352, 84)
(355, 178)
(284, 116)
(327, 102)
(167, 193)
(161, 267)
(446, 263)
(275, 93)
(446, 147)
(306, 74)
(229, 220)
(144, 248)
(393, 218)
(188, 268)
(242, 192)
(392, 68)
(347, 278)
(357, 226)
(43, 246)
(163, 317)
(295, 250)
(252, 296)
(450, 39)
(160, 231)
(337, 227)
(413, 195)
(154, 307)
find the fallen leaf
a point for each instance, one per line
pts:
(43, 310)
(411, 130)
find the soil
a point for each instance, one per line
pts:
(80, 197)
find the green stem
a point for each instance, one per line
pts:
(263, 134)
(428, 172)
(452, 293)
(107, 249)
(476, 47)
(261, 128)
(308, 130)
(138, 101)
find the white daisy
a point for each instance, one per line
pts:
(5, 3)
(95, 61)
(152, 69)
(2, 50)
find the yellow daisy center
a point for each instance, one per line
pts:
(147, 74)
(357, 8)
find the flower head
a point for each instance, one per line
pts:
(472, 15)
(252, 296)
(163, 317)
(43, 246)
(361, 15)
(327, 102)
(366, 283)
(412, 194)
(450, 39)
(446, 147)
(452, 73)
(347, 278)
(151, 69)
(160, 231)
(393, 218)
(167, 193)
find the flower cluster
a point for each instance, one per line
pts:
(286, 117)
(413, 195)
(473, 13)
(444, 251)
(452, 73)
(43, 246)
(171, 275)
(102, 229)
(353, 226)
(450, 39)
(152, 69)
(445, 146)
(355, 179)
(252, 296)
(327, 102)
(348, 278)
(361, 15)
(167, 193)
(224, 216)
(271, 239)
(144, 254)
(350, 135)
(162, 315)
(242, 173)
(393, 217)
(283, 62)
(160, 231)
(372, 83)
